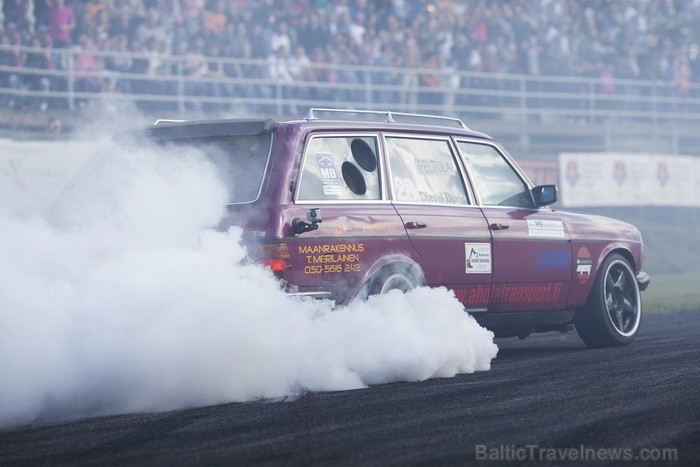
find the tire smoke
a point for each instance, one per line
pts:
(129, 300)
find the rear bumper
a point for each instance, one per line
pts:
(643, 280)
(319, 295)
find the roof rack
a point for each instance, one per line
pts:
(388, 114)
(165, 120)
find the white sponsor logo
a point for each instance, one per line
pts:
(477, 258)
(584, 266)
(540, 228)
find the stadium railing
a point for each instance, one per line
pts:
(248, 87)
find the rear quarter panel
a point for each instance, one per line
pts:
(353, 241)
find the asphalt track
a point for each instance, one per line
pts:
(548, 391)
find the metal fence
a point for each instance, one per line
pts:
(166, 85)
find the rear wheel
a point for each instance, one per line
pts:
(613, 311)
(394, 277)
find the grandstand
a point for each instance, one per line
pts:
(542, 75)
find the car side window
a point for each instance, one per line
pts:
(496, 181)
(340, 168)
(425, 171)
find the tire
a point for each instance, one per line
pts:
(611, 316)
(393, 277)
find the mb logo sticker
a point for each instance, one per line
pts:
(477, 258)
(329, 176)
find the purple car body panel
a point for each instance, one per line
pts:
(532, 267)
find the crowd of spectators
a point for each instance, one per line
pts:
(608, 39)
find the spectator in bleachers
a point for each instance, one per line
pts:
(299, 68)
(383, 78)
(279, 72)
(256, 73)
(312, 32)
(9, 79)
(196, 67)
(154, 27)
(61, 22)
(192, 12)
(281, 38)
(259, 46)
(216, 19)
(94, 20)
(215, 70)
(121, 62)
(87, 69)
(37, 60)
(430, 80)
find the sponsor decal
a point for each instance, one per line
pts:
(620, 172)
(553, 260)
(572, 172)
(378, 228)
(584, 265)
(404, 191)
(505, 293)
(328, 173)
(662, 173)
(542, 228)
(441, 198)
(433, 167)
(365, 229)
(332, 259)
(477, 258)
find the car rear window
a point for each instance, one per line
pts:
(241, 161)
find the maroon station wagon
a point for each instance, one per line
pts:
(365, 202)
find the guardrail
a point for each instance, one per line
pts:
(247, 86)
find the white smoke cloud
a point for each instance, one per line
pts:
(130, 301)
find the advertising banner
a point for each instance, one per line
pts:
(34, 173)
(622, 179)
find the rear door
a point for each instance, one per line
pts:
(341, 177)
(532, 257)
(448, 231)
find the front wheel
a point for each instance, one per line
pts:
(611, 316)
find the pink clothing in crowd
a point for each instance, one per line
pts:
(60, 19)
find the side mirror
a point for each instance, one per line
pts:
(545, 195)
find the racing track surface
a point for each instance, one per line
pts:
(547, 390)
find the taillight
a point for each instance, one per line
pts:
(277, 265)
(276, 257)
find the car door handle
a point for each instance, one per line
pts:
(499, 226)
(416, 225)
